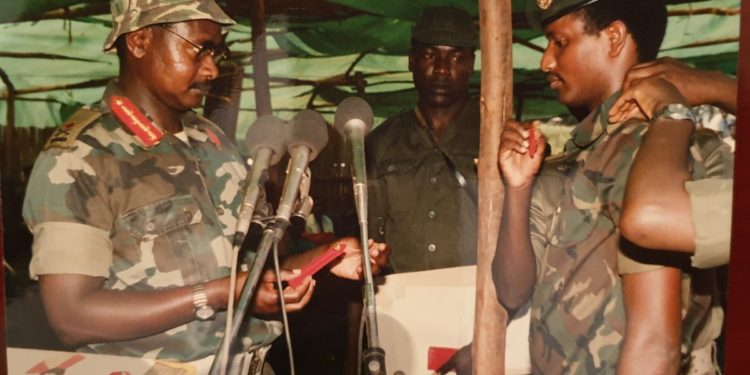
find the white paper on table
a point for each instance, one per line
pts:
(417, 310)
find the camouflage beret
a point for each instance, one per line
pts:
(445, 26)
(542, 12)
(131, 15)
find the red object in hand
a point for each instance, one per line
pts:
(437, 356)
(321, 261)
(532, 142)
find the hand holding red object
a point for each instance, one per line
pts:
(532, 142)
(316, 265)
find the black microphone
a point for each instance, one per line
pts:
(308, 134)
(265, 140)
(353, 120)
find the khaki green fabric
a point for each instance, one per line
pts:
(416, 204)
(144, 218)
(711, 198)
(711, 201)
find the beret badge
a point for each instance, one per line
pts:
(543, 4)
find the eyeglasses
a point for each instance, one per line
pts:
(217, 53)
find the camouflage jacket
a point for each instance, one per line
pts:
(577, 309)
(416, 204)
(577, 312)
(102, 203)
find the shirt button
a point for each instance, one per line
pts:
(150, 226)
(431, 214)
(391, 168)
(431, 247)
(433, 180)
(220, 211)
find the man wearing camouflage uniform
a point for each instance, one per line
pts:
(133, 203)
(559, 244)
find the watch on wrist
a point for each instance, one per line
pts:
(201, 308)
(677, 111)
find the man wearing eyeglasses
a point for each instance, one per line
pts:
(133, 203)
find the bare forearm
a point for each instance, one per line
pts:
(514, 264)
(722, 93)
(653, 310)
(656, 210)
(109, 315)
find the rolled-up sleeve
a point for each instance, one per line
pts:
(711, 204)
(72, 248)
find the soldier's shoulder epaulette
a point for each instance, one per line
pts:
(65, 136)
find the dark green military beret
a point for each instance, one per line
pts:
(446, 26)
(541, 13)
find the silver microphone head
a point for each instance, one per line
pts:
(267, 132)
(353, 111)
(308, 128)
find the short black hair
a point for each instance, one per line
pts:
(645, 19)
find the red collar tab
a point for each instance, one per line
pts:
(214, 138)
(135, 120)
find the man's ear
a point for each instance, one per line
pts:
(617, 35)
(137, 42)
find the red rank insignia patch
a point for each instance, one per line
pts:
(135, 120)
(214, 138)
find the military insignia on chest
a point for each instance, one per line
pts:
(135, 121)
(544, 4)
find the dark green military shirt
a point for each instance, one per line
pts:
(416, 203)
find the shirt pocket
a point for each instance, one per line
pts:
(160, 217)
(169, 230)
(401, 185)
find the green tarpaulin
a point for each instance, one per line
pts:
(307, 53)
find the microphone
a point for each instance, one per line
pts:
(353, 120)
(265, 141)
(308, 134)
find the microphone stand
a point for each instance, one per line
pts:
(373, 357)
(272, 234)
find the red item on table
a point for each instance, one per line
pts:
(438, 356)
(321, 261)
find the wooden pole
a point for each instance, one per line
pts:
(490, 319)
